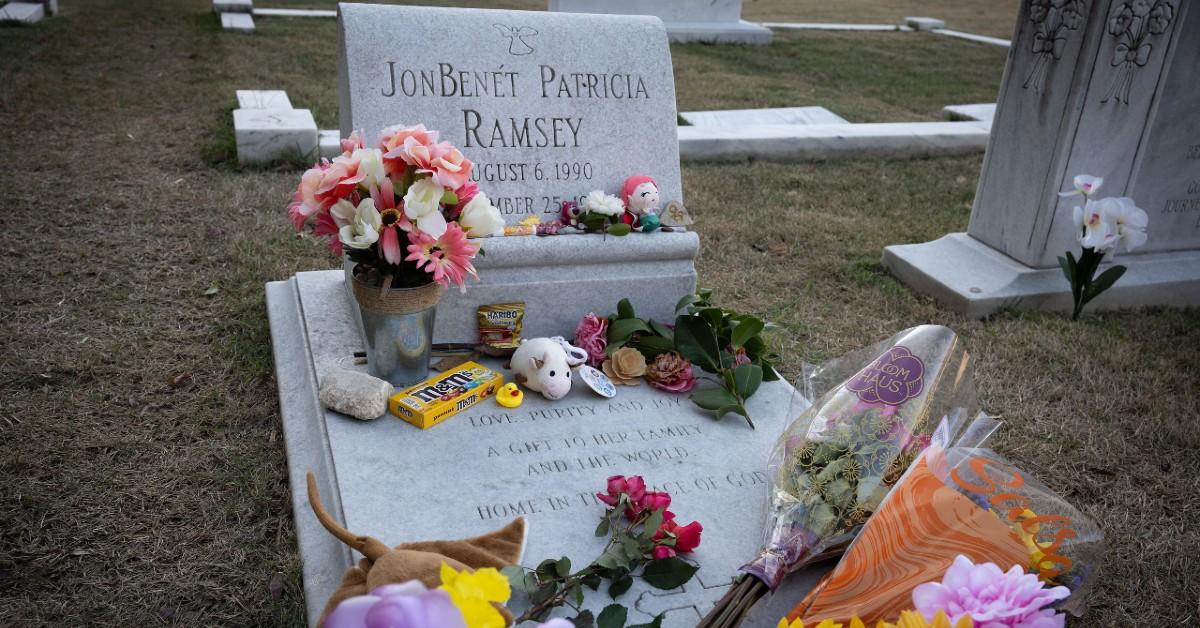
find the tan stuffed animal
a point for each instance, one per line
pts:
(421, 560)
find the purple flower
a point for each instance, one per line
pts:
(993, 598)
(407, 605)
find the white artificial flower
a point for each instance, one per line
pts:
(363, 231)
(343, 213)
(422, 205)
(370, 163)
(1097, 230)
(1085, 184)
(479, 218)
(598, 202)
(1129, 222)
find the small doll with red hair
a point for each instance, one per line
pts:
(640, 194)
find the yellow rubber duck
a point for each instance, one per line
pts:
(509, 395)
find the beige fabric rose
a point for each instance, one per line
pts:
(625, 366)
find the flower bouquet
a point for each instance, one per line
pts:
(955, 506)
(402, 211)
(835, 463)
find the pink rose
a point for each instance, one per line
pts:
(687, 538)
(449, 168)
(306, 201)
(655, 500)
(662, 551)
(592, 337)
(353, 143)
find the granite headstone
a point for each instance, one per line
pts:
(548, 106)
(1106, 88)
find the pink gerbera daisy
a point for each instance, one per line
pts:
(447, 258)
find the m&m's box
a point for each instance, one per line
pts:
(445, 394)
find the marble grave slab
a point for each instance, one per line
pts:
(477, 470)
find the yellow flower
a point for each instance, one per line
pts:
(913, 619)
(827, 623)
(473, 594)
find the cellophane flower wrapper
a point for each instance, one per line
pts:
(962, 500)
(878, 408)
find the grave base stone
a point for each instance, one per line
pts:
(543, 461)
(233, 6)
(924, 23)
(263, 99)
(24, 12)
(736, 118)
(267, 135)
(237, 22)
(708, 21)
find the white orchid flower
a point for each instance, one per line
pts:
(480, 218)
(1097, 230)
(1085, 184)
(422, 205)
(363, 231)
(1129, 222)
(343, 213)
(370, 163)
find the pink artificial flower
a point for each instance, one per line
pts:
(353, 143)
(740, 357)
(447, 258)
(592, 336)
(326, 226)
(671, 372)
(406, 146)
(393, 219)
(306, 201)
(341, 178)
(991, 597)
(450, 169)
(663, 551)
(465, 193)
(687, 538)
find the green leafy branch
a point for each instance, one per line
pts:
(726, 344)
(627, 555)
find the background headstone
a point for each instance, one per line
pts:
(548, 105)
(1116, 97)
(709, 21)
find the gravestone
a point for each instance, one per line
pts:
(1114, 96)
(708, 21)
(548, 106)
(544, 461)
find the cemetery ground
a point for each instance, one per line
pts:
(144, 478)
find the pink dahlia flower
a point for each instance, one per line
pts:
(993, 598)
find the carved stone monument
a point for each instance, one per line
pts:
(1101, 87)
(548, 106)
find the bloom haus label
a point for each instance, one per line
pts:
(893, 378)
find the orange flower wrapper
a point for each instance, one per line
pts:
(967, 501)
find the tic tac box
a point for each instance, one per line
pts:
(445, 394)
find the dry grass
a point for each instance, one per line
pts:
(144, 470)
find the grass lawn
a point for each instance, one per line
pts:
(144, 472)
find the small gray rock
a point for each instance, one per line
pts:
(355, 394)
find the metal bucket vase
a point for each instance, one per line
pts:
(398, 325)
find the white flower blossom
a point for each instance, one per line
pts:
(480, 218)
(598, 202)
(422, 205)
(363, 231)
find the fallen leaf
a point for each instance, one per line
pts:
(211, 291)
(180, 380)
(276, 586)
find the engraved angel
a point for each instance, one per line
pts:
(516, 38)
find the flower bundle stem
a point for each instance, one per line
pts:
(731, 609)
